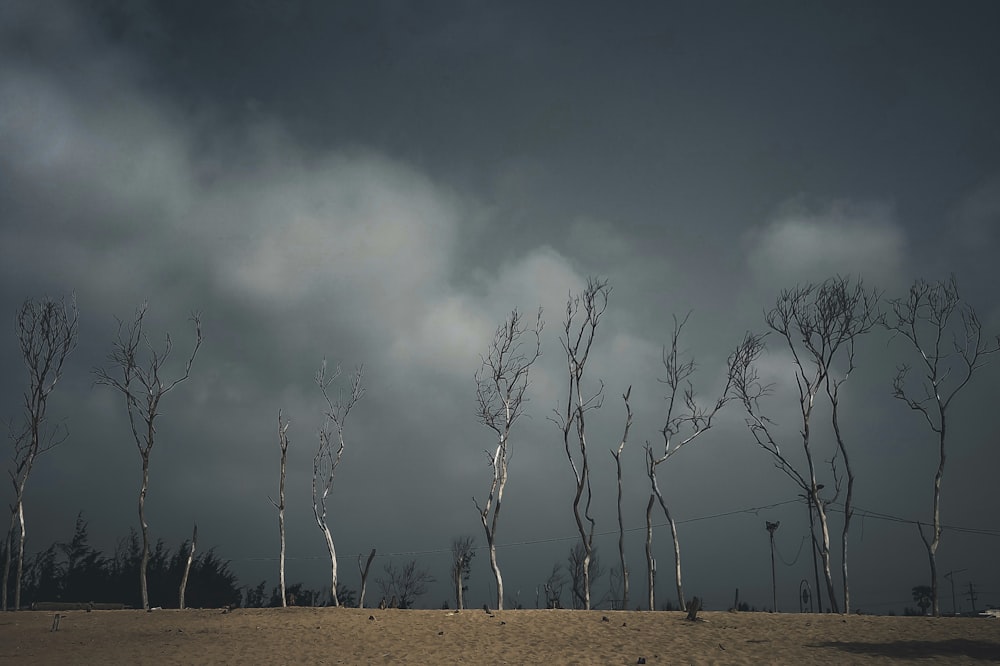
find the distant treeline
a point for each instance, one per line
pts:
(76, 572)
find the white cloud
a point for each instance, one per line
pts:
(801, 245)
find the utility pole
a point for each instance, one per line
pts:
(972, 596)
(771, 527)
(951, 580)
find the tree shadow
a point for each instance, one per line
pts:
(956, 647)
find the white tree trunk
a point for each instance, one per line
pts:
(496, 574)
(825, 554)
(333, 563)
(650, 562)
(20, 555)
(187, 567)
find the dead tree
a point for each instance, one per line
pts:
(283, 424)
(140, 383)
(326, 460)
(364, 576)
(187, 566)
(577, 340)
(501, 385)
(683, 423)
(617, 454)
(927, 318)
(820, 325)
(47, 332)
(463, 549)
(584, 569)
(554, 586)
(405, 584)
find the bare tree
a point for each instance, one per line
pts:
(283, 424)
(47, 332)
(140, 383)
(554, 586)
(927, 318)
(577, 340)
(682, 425)
(405, 585)
(187, 566)
(617, 454)
(501, 384)
(820, 325)
(584, 569)
(364, 576)
(326, 460)
(463, 549)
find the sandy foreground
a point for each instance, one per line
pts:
(371, 636)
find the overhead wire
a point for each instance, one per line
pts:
(857, 511)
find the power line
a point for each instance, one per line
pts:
(866, 513)
(529, 542)
(857, 511)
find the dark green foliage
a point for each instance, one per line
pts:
(347, 596)
(922, 594)
(254, 597)
(297, 594)
(76, 572)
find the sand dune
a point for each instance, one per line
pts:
(365, 636)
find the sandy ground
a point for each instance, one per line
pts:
(365, 636)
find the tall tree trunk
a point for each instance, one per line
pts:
(20, 555)
(496, 571)
(825, 554)
(650, 562)
(187, 567)
(283, 445)
(815, 549)
(333, 563)
(848, 512)
(621, 533)
(681, 604)
(364, 577)
(936, 537)
(848, 499)
(144, 563)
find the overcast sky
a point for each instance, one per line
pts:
(382, 182)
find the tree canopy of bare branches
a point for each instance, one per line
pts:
(584, 569)
(47, 332)
(327, 458)
(820, 325)
(140, 382)
(501, 387)
(463, 549)
(685, 420)
(404, 584)
(577, 340)
(947, 336)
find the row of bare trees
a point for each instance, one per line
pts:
(47, 332)
(328, 456)
(820, 326)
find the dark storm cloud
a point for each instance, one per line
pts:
(383, 182)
